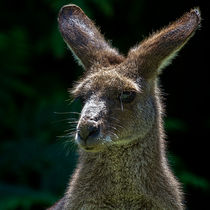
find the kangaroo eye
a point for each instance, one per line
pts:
(127, 96)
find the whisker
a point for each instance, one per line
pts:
(62, 136)
(120, 126)
(62, 120)
(75, 113)
(72, 118)
(114, 128)
(118, 121)
(73, 122)
(114, 118)
(62, 112)
(69, 145)
(114, 134)
(72, 135)
(70, 130)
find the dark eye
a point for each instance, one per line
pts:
(127, 96)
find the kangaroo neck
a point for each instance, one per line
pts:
(132, 161)
(137, 171)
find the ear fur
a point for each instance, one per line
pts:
(84, 39)
(156, 52)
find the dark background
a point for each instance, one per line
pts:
(36, 69)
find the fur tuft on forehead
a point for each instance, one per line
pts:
(104, 81)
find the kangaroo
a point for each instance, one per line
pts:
(122, 159)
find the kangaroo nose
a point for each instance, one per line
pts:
(87, 135)
(87, 132)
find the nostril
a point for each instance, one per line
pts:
(93, 130)
(86, 132)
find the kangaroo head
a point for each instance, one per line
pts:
(120, 93)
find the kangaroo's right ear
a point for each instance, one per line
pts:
(84, 39)
(156, 52)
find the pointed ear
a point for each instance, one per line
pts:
(156, 52)
(84, 39)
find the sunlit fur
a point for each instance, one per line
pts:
(127, 166)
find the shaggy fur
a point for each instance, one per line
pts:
(123, 165)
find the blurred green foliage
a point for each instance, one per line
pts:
(34, 103)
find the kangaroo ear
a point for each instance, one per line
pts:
(84, 39)
(158, 50)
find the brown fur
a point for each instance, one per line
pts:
(124, 167)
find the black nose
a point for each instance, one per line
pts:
(87, 134)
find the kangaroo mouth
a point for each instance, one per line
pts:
(88, 148)
(94, 149)
(89, 145)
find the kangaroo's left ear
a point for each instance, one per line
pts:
(84, 39)
(158, 50)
